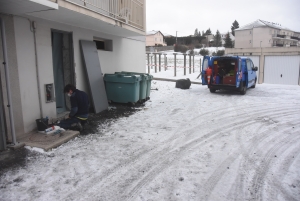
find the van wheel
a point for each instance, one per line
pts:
(243, 88)
(254, 84)
(212, 90)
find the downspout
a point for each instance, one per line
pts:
(5, 63)
(33, 26)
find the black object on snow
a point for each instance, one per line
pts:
(183, 84)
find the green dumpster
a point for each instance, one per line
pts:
(143, 83)
(122, 88)
(148, 81)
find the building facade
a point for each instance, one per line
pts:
(265, 34)
(276, 65)
(43, 46)
(223, 36)
(155, 38)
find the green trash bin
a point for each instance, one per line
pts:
(148, 81)
(122, 88)
(143, 83)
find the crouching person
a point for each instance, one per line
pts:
(79, 109)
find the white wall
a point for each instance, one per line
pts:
(128, 55)
(27, 73)
(242, 39)
(262, 34)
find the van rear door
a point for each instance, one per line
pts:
(251, 73)
(205, 64)
(239, 73)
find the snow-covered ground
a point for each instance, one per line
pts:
(183, 145)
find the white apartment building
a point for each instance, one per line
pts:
(155, 38)
(265, 34)
(43, 47)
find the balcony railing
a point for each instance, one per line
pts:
(280, 36)
(130, 12)
(295, 37)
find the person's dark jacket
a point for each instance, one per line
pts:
(79, 104)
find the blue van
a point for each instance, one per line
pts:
(229, 73)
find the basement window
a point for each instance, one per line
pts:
(103, 44)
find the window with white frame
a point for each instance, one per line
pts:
(250, 41)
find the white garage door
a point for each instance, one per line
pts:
(282, 70)
(255, 60)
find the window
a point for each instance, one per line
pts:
(205, 64)
(249, 65)
(250, 32)
(250, 41)
(103, 44)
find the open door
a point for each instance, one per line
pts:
(63, 70)
(205, 64)
(239, 73)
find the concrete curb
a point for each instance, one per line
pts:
(172, 80)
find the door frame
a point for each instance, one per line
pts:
(71, 57)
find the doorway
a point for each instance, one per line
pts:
(63, 69)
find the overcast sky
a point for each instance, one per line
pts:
(184, 16)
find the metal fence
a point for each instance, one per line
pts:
(129, 11)
(158, 61)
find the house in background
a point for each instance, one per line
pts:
(223, 36)
(155, 38)
(43, 45)
(265, 34)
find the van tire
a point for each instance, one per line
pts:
(212, 90)
(243, 88)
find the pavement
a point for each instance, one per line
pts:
(47, 142)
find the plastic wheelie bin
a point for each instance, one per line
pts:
(122, 88)
(148, 81)
(143, 83)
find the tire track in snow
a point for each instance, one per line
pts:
(248, 162)
(212, 181)
(262, 170)
(275, 181)
(265, 113)
(97, 179)
(166, 162)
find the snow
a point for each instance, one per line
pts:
(183, 145)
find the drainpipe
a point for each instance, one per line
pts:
(33, 26)
(10, 106)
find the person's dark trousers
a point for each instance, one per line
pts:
(67, 123)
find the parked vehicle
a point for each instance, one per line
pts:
(229, 73)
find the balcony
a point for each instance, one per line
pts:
(130, 12)
(295, 37)
(280, 36)
(125, 18)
